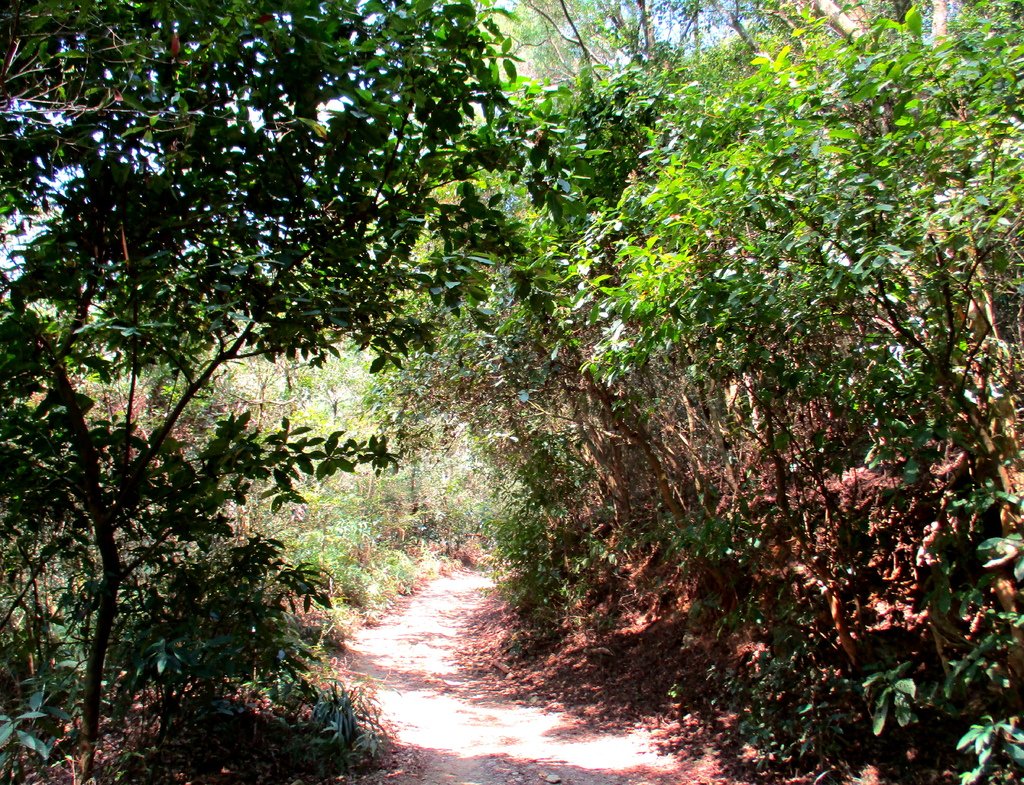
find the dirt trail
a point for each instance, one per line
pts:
(452, 730)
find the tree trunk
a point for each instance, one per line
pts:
(92, 700)
(940, 17)
(579, 38)
(851, 22)
(639, 437)
(736, 23)
(104, 533)
(645, 28)
(603, 447)
(106, 613)
(998, 453)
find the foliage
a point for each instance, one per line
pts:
(761, 361)
(370, 535)
(349, 721)
(184, 186)
(29, 737)
(835, 259)
(894, 691)
(985, 740)
(735, 340)
(794, 706)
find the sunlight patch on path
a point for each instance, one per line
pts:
(435, 709)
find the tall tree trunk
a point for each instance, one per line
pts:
(940, 18)
(603, 446)
(645, 27)
(579, 38)
(104, 534)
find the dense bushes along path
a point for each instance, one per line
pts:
(452, 727)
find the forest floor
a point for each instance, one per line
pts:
(464, 711)
(469, 696)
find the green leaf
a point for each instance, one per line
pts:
(782, 58)
(878, 724)
(34, 743)
(970, 737)
(914, 22)
(906, 686)
(318, 128)
(843, 133)
(555, 207)
(1016, 753)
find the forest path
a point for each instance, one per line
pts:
(452, 728)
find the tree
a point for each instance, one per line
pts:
(184, 185)
(761, 359)
(828, 262)
(563, 38)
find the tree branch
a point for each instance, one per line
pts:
(553, 24)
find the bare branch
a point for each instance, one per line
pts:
(579, 38)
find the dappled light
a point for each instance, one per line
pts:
(454, 726)
(697, 327)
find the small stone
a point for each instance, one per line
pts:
(554, 779)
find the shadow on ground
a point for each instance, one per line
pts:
(459, 719)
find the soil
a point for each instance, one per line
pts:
(465, 710)
(470, 697)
